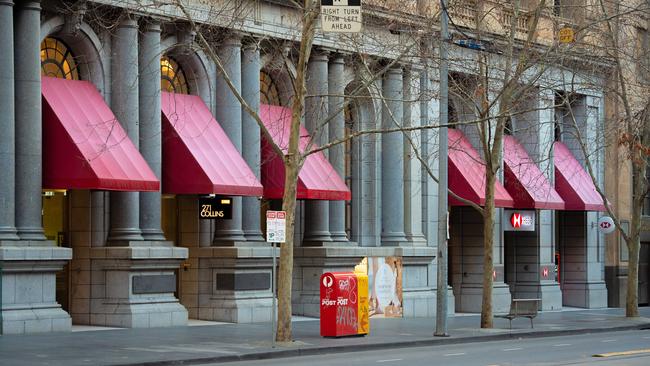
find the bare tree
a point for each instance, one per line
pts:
(628, 125)
(506, 69)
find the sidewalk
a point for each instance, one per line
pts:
(228, 342)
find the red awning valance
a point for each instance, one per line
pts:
(84, 145)
(198, 157)
(573, 183)
(467, 174)
(317, 178)
(524, 181)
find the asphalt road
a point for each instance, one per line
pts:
(631, 348)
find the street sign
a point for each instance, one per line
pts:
(341, 16)
(606, 225)
(566, 35)
(519, 220)
(275, 226)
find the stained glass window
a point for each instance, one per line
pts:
(172, 77)
(57, 60)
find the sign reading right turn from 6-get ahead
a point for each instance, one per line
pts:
(341, 16)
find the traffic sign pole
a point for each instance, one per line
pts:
(275, 233)
(273, 286)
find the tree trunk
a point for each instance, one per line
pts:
(632, 295)
(285, 273)
(488, 244)
(633, 242)
(292, 163)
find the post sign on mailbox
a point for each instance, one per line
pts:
(343, 304)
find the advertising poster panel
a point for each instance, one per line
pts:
(385, 286)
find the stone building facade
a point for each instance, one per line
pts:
(116, 120)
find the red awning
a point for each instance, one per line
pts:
(525, 182)
(317, 178)
(573, 183)
(198, 157)
(84, 145)
(467, 174)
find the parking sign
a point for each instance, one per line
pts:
(275, 226)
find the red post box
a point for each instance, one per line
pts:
(343, 304)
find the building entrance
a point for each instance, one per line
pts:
(644, 274)
(55, 226)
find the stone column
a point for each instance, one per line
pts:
(150, 125)
(336, 129)
(392, 161)
(28, 266)
(317, 212)
(29, 131)
(7, 123)
(413, 187)
(125, 206)
(250, 89)
(229, 115)
(429, 115)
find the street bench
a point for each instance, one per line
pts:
(522, 308)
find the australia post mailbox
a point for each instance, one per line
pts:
(343, 304)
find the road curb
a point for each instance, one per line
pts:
(311, 351)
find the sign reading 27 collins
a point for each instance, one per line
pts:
(519, 220)
(341, 16)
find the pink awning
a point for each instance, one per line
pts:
(467, 174)
(317, 178)
(84, 145)
(198, 157)
(573, 183)
(524, 181)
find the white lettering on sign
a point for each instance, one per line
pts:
(328, 302)
(341, 301)
(207, 212)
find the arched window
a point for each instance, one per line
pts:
(172, 77)
(57, 60)
(268, 90)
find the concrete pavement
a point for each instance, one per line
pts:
(229, 342)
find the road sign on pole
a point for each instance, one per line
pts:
(341, 16)
(275, 233)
